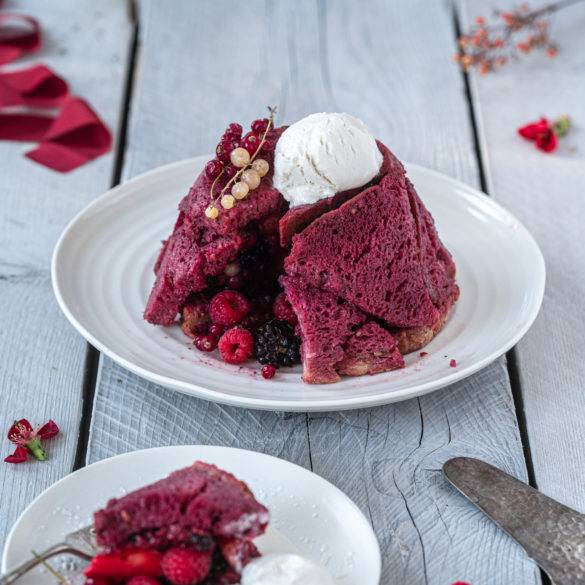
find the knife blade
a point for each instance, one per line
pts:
(552, 534)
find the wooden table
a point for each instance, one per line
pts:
(168, 77)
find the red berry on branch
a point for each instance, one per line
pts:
(230, 171)
(234, 130)
(222, 153)
(251, 142)
(213, 169)
(259, 126)
(269, 142)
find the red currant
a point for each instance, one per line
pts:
(206, 342)
(268, 372)
(234, 130)
(224, 148)
(251, 142)
(216, 329)
(213, 169)
(229, 171)
(269, 142)
(259, 126)
(235, 282)
(222, 153)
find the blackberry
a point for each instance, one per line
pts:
(256, 256)
(275, 343)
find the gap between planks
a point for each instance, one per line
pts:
(511, 360)
(92, 355)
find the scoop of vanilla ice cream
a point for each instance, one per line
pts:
(324, 154)
(285, 569)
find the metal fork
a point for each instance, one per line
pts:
(80, 544)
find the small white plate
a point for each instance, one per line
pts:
(102, 275)
(308, 515)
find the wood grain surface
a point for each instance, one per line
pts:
(41, 356)
(547, 193)
(390, 64)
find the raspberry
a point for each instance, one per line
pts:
(186, 567)
(143, 580)
(268, 372)
(97, 581)
(228, 307)
(236, 345)
(283, 311)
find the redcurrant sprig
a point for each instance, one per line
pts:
(245, 171)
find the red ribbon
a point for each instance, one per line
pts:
(24, 127)
(35, 86)
(19, 35)
(76, 136)
(68, 140)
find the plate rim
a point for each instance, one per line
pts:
(322, 405)
(374, 544)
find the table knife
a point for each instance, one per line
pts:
(553, 535)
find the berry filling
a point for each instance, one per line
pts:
(360, 277)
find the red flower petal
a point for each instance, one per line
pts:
(49, 430)
(19, 456)
(547, 141)
(20, 431)
(531, 131)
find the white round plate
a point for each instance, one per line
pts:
(102, 275)
(308, 515)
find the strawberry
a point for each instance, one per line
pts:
(182, 566)
(127, 563)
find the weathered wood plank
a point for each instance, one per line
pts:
(41, 356)
(389, 64)
(546, 193)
